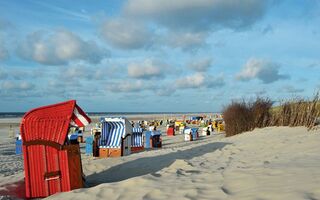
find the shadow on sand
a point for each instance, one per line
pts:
(149, 165)
(13, 190)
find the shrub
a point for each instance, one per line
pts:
(245, 116)
(261, 112)
(298, 112)
(238, 118)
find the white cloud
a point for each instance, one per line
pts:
(147, 69)
(165, 91)
(129, 86)
(266, 71)
(291, 89)
(17, 73)
(200, 80)
(200, 65)
(126, 34)
(215, 81)
(59, 47)
(198, 14)
(187, 41)
(82, 72)
(192, 81)
(4, 54)
(13, 86)
(3, 74)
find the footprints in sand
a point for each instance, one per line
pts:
(266, 162)
(10, 162)
(156, 175)
(181, 172)
(226, 190)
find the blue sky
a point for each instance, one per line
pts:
(156, 56)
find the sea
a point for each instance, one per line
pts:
(20, 114)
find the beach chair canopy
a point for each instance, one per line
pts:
(187, 130)
(154, 133)
(51, 123)
(178, 123)
(136, 138)
(113, 131)
(193, 118)
(193, 130)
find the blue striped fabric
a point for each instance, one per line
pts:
(111, 134)
(136, 138)
(137, 130)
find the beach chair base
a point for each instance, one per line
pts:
(136, 149)
(63, 176)
(109, 152)
(188, 137)
(155, 142)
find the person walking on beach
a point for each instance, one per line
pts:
(208, 130)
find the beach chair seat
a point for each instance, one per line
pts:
(153, 139)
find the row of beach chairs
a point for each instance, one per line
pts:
(52, 159)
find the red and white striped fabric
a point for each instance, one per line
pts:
(79, 118)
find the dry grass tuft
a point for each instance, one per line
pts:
(245, 116)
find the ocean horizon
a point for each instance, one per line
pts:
(20, 114)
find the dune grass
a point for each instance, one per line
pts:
(247, 115)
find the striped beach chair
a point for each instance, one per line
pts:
(153, 139)
(195, 133)
(191, 134)
(137, 139)
(187, 134)
(115, 140)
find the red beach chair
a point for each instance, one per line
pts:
(171, 131)
(51, 164)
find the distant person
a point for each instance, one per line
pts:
(208, 130)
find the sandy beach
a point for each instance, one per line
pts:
(268, 163)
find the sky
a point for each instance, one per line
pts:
(157, 56)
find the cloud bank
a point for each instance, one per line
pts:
(263, 70)
(59, 47)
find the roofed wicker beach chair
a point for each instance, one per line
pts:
(51, 162)
(137, 139)
(115, 140)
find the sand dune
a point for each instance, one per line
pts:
(269, 163)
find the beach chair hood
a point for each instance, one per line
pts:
(51, 123)
(113, 130)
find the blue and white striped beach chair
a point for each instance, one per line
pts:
(115, 137)
(137, 139)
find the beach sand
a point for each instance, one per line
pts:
(269, 163)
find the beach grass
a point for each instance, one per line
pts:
(247, 115)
